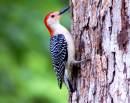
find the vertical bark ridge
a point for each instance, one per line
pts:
(101, 30)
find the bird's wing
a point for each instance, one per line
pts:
(59, 53)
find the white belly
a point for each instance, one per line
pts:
(59, 29)
(71, 50)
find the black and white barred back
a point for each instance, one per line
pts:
(59, 53)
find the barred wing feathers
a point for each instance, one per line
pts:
(59, 53)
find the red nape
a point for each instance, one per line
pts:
(48, 27)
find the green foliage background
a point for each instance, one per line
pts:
(26, 73)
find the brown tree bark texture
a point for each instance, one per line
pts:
(101, 30)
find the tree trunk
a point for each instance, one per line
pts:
(101, 29)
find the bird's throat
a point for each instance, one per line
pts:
(50, 30)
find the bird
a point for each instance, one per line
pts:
(62, 48)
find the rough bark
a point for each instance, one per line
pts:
(101, 29)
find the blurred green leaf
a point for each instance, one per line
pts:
(26, 73)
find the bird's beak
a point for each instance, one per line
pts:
(63, 10)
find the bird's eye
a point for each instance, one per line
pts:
(52, 16)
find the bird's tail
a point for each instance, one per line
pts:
(68, 83)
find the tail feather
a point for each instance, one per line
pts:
(68, 83)
(70, 86)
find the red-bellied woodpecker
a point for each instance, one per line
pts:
(61, 47)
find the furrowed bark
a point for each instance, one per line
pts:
(101, 30)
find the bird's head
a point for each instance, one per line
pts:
(53, 18)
